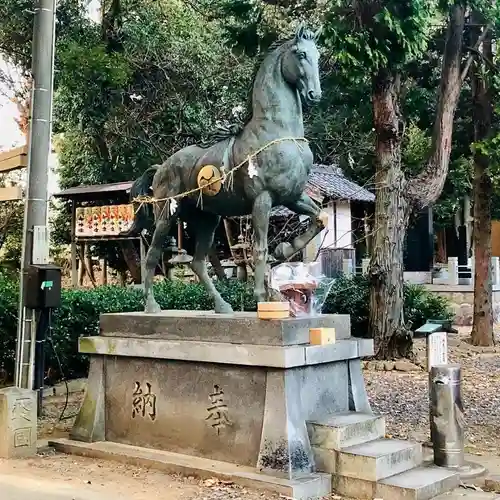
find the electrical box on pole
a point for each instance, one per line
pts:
(42, 294)
(43, 287)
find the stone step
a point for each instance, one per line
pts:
(461, 494)
(421, 483)
(345, 429)
(378, 459)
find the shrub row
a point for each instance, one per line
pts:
(80, 310)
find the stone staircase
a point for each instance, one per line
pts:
(365, 465)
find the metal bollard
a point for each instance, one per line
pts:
(446, 416)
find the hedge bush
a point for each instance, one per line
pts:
(350, 295)
(80, 310)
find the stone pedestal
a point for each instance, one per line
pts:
(231, 388)
(245, 400)
(18, 421)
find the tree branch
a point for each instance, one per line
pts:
(425, 188)
(487, 60)
(474, 49)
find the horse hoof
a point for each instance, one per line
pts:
(283, 251)
(223, 308)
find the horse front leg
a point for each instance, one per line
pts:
(162, 229)
(260, 219)
(304, 206)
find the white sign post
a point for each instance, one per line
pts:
(437, 349)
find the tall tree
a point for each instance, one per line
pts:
(482, 328)
(383, 37)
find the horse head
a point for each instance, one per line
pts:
(300, 65)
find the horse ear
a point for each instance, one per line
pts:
(318, 33)
(299, 34)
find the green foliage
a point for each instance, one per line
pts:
(490, 147)
(80, 311)
(11, 233)
(458, 184)
(123, 110)
(416, 145)
(121, 107)
(9, 293)
(368, 37)
(16, 28)
(421, 305)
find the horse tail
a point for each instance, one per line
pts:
(144, 216)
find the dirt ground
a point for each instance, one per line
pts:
(99, 477)
(90, 478)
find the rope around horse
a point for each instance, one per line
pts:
(151, 199)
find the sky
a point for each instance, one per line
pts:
(10, 134)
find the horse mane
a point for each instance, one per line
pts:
(236, 126)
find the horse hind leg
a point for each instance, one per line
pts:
(304, 206)
(204, 225)
(162, 228)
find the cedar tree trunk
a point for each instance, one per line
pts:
(482, 329)
(391, 220)
(396, 197)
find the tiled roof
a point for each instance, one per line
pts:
(332, 183)
(328, 181)
(76, 192)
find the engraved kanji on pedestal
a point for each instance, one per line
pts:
(18, 421)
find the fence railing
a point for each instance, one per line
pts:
(451, 274)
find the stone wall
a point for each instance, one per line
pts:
(461, 298)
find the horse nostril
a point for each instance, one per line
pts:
(313, 96)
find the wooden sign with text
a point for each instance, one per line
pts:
(14, 159)
(109, 220)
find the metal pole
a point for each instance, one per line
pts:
(447, 416)
(36, 204)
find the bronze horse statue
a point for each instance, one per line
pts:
(266, 164)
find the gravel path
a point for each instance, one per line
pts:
(403, 397)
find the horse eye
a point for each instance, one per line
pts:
(301, 55)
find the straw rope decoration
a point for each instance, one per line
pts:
(225, 175)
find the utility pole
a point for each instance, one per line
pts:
(35, 238)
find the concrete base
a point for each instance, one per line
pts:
(18, 420)
(311, 486)
(470, 470)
